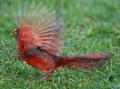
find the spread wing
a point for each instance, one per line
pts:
(45, 25)
(49, 35)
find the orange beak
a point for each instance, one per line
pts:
(13, 31)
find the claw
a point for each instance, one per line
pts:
(46, 75)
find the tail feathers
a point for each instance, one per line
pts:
(88, 61)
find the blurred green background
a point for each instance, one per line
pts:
(89, 26)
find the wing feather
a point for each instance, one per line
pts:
(45, 25)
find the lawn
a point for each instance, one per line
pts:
(89, 26)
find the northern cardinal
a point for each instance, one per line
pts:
(39, 41)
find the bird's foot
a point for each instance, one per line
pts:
(44, 77)
(47, 74)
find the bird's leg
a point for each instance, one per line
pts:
(47, 74)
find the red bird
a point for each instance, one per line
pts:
(39, 41)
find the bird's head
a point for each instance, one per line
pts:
(22, 31)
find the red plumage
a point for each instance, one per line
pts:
(39, 42)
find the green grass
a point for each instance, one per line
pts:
(89, 26)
